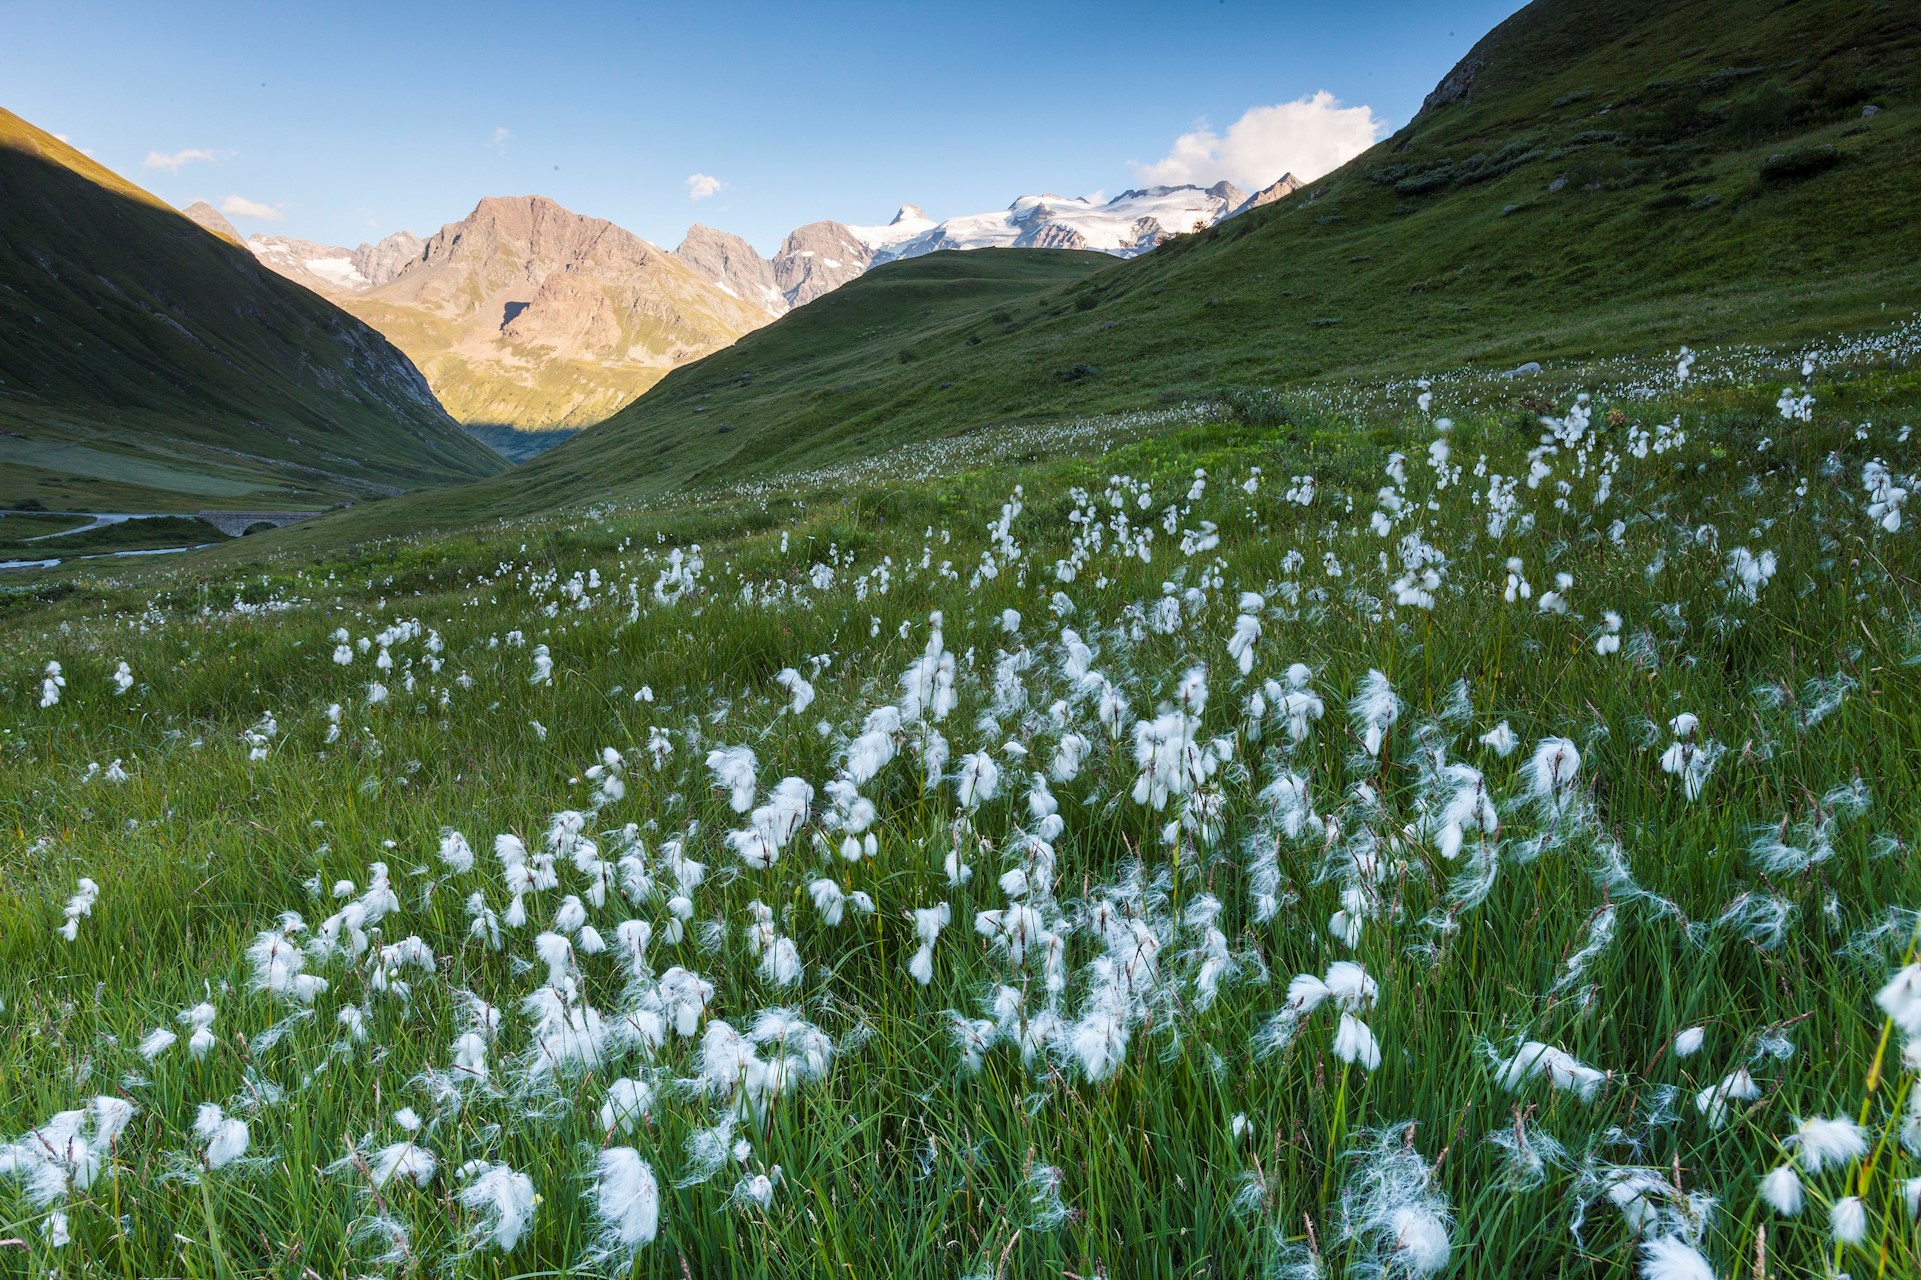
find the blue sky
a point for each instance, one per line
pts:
(349, 120)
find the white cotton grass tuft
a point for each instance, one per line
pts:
(1562, 1069)
(1374, 710)
(406, 1160)
(51, 683)
(626, 1106)
(1848, 1220)
(69, 1153)
(734, 769)
(85, 894)
(1688, 1041)
(757, 1190)
(1392, 1207)
(1354, 1042)
(1551, 770)
(1672, 1258)
(278, 965)
(1501, 740)
(1781, 1188)
(200, 1018)
(1825, 1142)
(223, 1137)
(626, 1202)
(1737, 1086)
(800, 694)
(928, 923)
(1900, 999)
(455, 852)
(503, 1200)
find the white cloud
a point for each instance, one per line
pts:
(499, 144)
(702, 185)
(241, 207)
(172, 161)
(1307, 138)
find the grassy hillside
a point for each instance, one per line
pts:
(1695, 920)
(146, 364)
(727, 410)
(1609, 175)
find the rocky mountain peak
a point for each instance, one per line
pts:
(213, 220)
(1285, 185)
(379, 263)
(731, 265)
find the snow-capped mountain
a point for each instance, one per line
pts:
(822, 256)
(1129, 224)
(909, 222)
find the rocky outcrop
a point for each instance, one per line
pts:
(1051, 235)
(1280, 189)
(731, 265)
(1456, 86)
(380, 263)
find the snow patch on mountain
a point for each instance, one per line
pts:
(1129, 224)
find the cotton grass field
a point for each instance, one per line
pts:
(1458, 827)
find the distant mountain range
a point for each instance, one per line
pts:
(527, 315)
(821, 256)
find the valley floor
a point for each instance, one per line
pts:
(1455, 826)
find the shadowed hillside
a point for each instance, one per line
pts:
(148, 364)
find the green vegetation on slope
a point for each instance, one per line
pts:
(247, 767)
(146, 364)
(728, 408)
(1616, 175)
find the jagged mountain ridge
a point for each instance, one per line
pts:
(329, 269)
(527, 314)
(822, 256)
(733, 266)
(621, 312)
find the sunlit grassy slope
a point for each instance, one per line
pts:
(146, 364)
(1621, 174)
